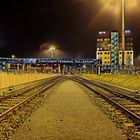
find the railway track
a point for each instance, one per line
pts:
(19, 98)
(19, 88)
(126, 104)
(123, 107)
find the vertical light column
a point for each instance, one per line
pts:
(52, 48)
(59, 69)
(123, 32)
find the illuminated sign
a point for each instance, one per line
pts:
(38, 61)
(70, 61)
(28, 61)
(103, 32)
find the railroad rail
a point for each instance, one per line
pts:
(27, 87)
(127, 104)
(19, 98)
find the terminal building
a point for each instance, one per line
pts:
(109, 48)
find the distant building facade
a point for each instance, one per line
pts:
(129, 45)
(109, 48)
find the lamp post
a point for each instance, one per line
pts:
(52, 48)
(123, 31)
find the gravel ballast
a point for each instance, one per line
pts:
(68, 113)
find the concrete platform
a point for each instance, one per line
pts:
(68, 114)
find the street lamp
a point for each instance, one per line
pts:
(123, 31)
(13, 56)
(52, 48)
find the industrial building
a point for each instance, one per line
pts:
(109, 49)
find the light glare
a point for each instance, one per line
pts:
(114, 5)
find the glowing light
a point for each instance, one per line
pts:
(52, 48)
(132, 3)
(84, 66)
(127, 31)
(110, 11)
(114, 5)
(101, 33)
(111, 5)
(13, 56)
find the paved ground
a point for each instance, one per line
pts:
(68, 114)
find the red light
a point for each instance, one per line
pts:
(38, 65)
(55, 64)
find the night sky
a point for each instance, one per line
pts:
(71, 25)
